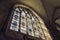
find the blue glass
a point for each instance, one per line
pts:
(14, 23)
(15, 17)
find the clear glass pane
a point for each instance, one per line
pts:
(17, 9)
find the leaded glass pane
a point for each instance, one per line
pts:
(15, 20)
(35, 27)
(29, 23)
(41, 34)
(23, 22)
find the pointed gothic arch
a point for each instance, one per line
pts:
(24, 20)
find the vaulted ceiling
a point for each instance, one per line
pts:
(54, 3)
(52, 8)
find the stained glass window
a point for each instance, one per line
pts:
(24, 21)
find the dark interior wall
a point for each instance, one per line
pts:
(3, 11)
(57, 13)
(5, 6)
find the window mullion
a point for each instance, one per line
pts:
(20, 20)
(32, 25)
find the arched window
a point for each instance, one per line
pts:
(28, 22)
